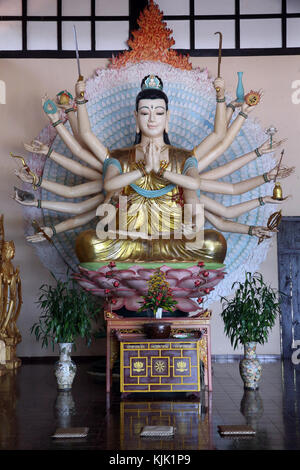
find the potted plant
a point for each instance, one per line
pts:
(248, 319)
(158, 298)
(67, 312)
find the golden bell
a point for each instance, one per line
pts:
(277, 192)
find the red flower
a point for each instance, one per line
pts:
(200, 300)
(201, 264)
(205, 274)
(109, 274)
(197, 283)
(112, 264)
(116, 284)
(107, 291)
(113, 301)
(207, 290)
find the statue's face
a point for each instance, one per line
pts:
(152, 117)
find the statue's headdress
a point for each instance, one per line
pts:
(152, 82)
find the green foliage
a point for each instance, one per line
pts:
(67, 313)
(251, 314)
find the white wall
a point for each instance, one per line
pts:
(22, 119)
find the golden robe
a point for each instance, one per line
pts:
(159, 217)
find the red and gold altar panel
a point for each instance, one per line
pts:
(170, 365)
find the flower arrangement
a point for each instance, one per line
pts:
(159, 294)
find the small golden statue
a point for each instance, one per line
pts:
(10, 304)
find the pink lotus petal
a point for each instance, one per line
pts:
(187, 305)
(177, 292)
(145, 273)
(189, 283)
(132, 303)
(119, 304)
(137, 284)
(178, 274)
(124, 274)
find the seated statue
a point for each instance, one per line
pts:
(161, 184)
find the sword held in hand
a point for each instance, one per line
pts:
(80, 77)
(219, 56)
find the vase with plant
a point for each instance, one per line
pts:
(159, 295)
(248, 318)
(67, 313)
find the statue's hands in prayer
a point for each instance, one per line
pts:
(219, 85)
(283, 172)
(152, 157)
(40, 237)
(37, 147)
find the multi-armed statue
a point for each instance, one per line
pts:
(150, 199)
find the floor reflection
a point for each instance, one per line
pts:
(191, 420)
(31, 409)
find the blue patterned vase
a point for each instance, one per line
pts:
(240, 88)
(250, 367)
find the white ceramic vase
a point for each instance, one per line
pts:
(158, 313)
(65, 368)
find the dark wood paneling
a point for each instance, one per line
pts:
(288, 246)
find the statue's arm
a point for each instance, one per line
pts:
(114, 179)
(27, 199)
(220, 123)
(79, 190)
(71, 165)
(221, 187)
(64, 226)
(239, 162)
(231, 212)
(235, 227)
(220, 148)
(70, 141)
(84, 127)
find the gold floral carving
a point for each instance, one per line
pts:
(181, 366)
(160, 366)
(203, 351)
(138, 367)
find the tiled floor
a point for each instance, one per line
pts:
(31, 409)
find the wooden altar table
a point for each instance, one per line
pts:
(121, 328)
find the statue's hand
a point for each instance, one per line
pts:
(63, 105)
(40, 237)
(24, 197)
(270, 200)
(156, 151)
(37, 147)
(219, 85)
(24, 175)
(266, 146)
(246, 108)
(80, 88)
(283, 172)
(52, 117)
(263, 232)
(148, 158)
